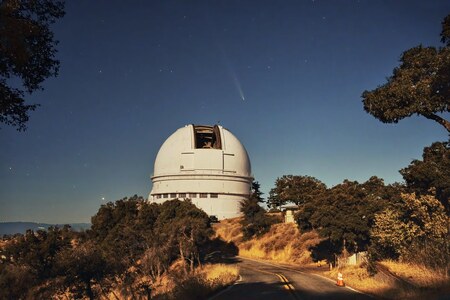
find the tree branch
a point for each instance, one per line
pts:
(438, 119)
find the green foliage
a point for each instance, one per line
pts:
(256, 192)
(416, 230)
(27, 51)
(81, 267)
(16, 281)
(431, 175)
(38, 249)
(129, 239)
(184, 229)
(255, 222)
(295, 189)
(344, 214)
(31, 261)
(124, 229)
(420, 85)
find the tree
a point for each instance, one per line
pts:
(27, 52)
(420, 85)
(296, 189)
(346, 212)
(124, 229)
(254, 221)
(431, 175)
(81, 267)
(184, 228)
(16, 281)
(256, 192)
(415, 231)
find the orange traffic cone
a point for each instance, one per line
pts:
(340, 280)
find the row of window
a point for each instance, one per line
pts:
(186, 195)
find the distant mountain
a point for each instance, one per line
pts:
(22, 227)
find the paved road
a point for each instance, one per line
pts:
(260, 280)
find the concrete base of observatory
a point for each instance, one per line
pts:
(206, 164)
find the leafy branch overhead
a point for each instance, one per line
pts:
(27, 54)
(420, 85)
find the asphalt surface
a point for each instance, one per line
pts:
(261, 280)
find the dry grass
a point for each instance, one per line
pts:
(203, 282)
(283, 243)
(229, 230)
(358, 278)
(419, 276)
(415, 282)
(220, 274)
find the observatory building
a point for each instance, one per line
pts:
(206, 164)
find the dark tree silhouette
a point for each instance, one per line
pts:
(27, 53)
(431, 174)
(254, 221)
(420, 85)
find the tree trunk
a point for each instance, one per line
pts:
(438, 119)
(89, 292)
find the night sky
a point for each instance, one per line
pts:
(286, 77)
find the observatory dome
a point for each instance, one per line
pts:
(206, 164)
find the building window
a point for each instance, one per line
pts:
(158, 196)
(165, 195)
(173, 195)
(203, 195)
(214, 195)
(192, 195)
(182, 195)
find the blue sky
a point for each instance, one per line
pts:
(285, 77)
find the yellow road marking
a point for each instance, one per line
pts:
(286, 284)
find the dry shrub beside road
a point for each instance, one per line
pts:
(417, 275)
(200, 284)
(395, 280)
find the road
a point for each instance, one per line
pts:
(261, 280)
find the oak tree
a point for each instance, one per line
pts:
(27, 54)
(431, 175)
(420, 85)
(296, 189)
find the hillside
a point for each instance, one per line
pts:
(283, 243)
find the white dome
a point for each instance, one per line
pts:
(203, 162)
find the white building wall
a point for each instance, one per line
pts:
(224, 173)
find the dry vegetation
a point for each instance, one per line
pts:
(358, 278)
(275, 246)
(202, 283)
(177, 284)
(395, 280)
(399, 281)
(417, 275)
(272, 245)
